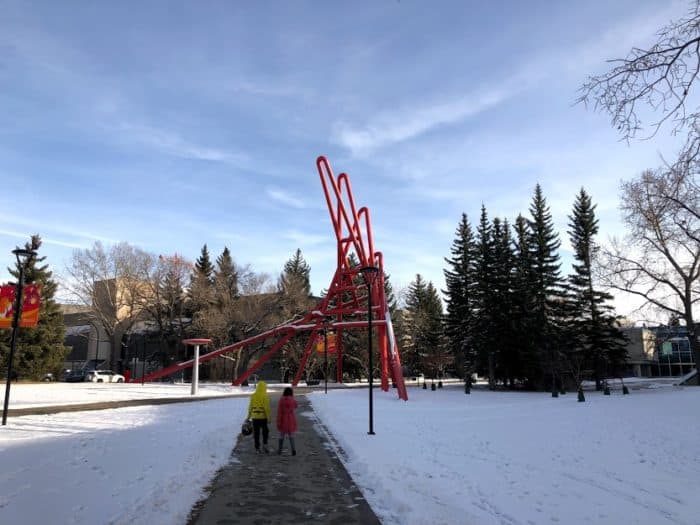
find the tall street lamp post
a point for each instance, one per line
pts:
(325, 359)
(369, 273)
(23, 257)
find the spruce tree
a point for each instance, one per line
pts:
(523, 304)
(39, 350)
(203, 264)
(201, 294)
(459, 294)
(201, 281)
(424, 331)
(484, 325)
(225, 279)
(438, 353)
(414, 322)
(596, 339)
(296, 276)
(507, 363)
(294, 287)
(547, 286)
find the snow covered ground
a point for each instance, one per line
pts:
(146, 464)
(523, 458)
(441, 458)
(25, 395)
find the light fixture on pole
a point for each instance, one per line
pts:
(23, 258)
(325, 360)
(369, 273)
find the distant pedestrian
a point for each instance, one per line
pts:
(286, 419)
(259, 413)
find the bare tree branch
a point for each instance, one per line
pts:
(661, 78)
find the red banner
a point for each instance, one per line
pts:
(320, 340)
(30, 306)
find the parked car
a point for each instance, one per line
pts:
(74, 376)
(104, 376)
(48, 377)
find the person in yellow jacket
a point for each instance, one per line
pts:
(259, 413)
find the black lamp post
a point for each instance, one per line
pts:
(23, 257)
(369, 273)
(97, 350)
(143, 366)
(325, 359)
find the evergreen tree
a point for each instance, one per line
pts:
(483, 309)
(296, 275)
(225, 279)
(414, 321)
(459, 294)
(201, 295)
(438, 353)
(507, 364)
(547, 285)
(596, 341)
(294, 287)
(201, 281)
(203, 265)
(523, 304)
(39, 350)
(423, 327)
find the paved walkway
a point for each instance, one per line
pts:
(311, 487)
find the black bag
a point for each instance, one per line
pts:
(247, 428)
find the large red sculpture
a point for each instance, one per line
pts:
(346, 304)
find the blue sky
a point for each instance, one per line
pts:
(174, 124)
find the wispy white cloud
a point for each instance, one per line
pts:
(416, 118)
(38, 226)
(231, 237)
(262, 88)
(172, 143)
(305, 238)
(639, 29)
(397, 126)
(285, 197)
(46, 240)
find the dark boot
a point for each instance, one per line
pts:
(279, 448)
(294, 450)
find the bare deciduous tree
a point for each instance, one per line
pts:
(660, 78)
(113, 283)
(659, 260)
(163, 299)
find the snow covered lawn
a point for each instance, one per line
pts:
(134, 465)
(445, 457)
(441, 458)
(25, 395)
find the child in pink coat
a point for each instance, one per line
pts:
(286, 420)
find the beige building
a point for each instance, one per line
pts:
(117, 303)
(641, 350)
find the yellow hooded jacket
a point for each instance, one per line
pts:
(259, 406)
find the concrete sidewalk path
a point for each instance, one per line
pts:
(311, 487)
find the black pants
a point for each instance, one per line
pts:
(257, 425)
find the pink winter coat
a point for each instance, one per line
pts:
(286, 420)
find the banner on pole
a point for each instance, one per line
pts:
(320, 340)
(30, 306)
